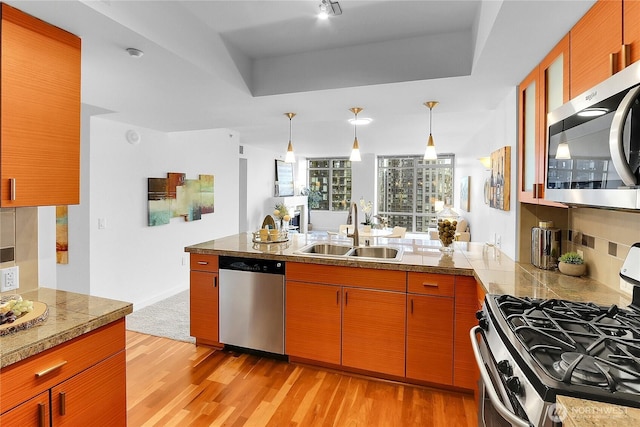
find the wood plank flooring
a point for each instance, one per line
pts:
(172, 383)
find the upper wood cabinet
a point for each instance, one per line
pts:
(603, 42)
(543, 90)
(40, 112)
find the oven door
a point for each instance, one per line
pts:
(496, 408)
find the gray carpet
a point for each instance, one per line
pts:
(168, 318)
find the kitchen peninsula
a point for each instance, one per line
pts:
(413, 316)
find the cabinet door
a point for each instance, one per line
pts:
(34, 412)
(595, 46)
(203, 300)
(465, 370)
(40, 100)
(313, 321)
(96, 396)
(631, 29)
(373, 330)
(430, 338)
(529, 137)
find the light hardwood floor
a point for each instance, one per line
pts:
(172, 383)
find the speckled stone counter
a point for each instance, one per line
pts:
(587, 413)
(497, 273)
(70, 315)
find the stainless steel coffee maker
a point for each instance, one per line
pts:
(545, 245)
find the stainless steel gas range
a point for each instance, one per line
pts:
(531, 350)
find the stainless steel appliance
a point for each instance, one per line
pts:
(545, 245)
(252, 303)
(531, 350)
(599, 136)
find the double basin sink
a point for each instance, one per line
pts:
(365, 253)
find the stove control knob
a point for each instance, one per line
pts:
(484, 323)
(479, 314)
(513, 384)
(505, 368)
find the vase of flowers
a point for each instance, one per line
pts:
(366, 208)
(281, 217)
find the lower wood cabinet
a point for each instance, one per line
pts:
(204, 299)
(465, 370)
(429, 338)
(313, 321)
(373, 330)
(80, 382)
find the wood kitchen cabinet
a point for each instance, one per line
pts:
(313, 321)
(204, 299)
(603, 42)
(430, 319)
(371, 321)
(373, 330)
(543, 90)
(80, 382)
(465, 369)
(40, 110)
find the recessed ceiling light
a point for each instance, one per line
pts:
(360, 121)
(134, 53)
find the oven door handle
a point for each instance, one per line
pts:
(616, 143)
(488, 384)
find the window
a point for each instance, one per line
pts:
(332, 178)
(410, 188)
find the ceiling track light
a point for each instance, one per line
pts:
(290, 157)
(329, 8)
(430, 152)
(355, 150)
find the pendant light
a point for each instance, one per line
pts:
(355, 151)
(430, 152)
(290, 157)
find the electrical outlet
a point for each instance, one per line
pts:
(184, 260)
(9, 279)
(498, 240)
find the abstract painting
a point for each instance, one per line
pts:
(62, 235)
(500, 181)
(176, 196)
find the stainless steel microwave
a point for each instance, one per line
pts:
(593, 145)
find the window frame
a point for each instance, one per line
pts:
(333, 205)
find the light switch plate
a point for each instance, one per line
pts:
(9, 279)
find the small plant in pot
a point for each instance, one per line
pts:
(572, 264)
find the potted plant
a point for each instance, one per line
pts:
(314, 196)
(572, 264)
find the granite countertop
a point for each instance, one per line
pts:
(70, 315)
(496, 272)
(575, 412)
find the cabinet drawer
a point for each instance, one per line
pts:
(431, 284)
(27, 378)
(386, 280)
(204, 262)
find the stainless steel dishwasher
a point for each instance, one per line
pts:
(252, 303)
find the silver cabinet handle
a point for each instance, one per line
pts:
(616, 147)
(488, 385)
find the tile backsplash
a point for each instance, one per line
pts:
(604, 236)
(19, 244)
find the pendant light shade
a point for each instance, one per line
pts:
(355, 150)
(563, 152)
(290, 157)
(430, 152)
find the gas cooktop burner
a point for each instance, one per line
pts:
(581, 367)
(578, 344)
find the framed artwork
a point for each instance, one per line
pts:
(62, 235)
(284, 179)
(464, 193)
(500, 181)
(176, 196)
